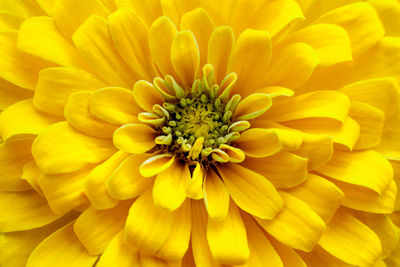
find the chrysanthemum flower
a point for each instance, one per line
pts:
(199, 133)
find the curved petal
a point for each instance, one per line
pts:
(135, 138)
(259, 143)
(252, 106)
(146, 96)
(156, 164)
(216, 196)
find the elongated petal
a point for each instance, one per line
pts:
(95, 184)
(201, 25)
(96, 228)
(251, 191)
(13, 156)
(79, 116)
(10, 93)
(289, 256)
(147, 226)
(185, 57)
(70, 14)
(18, 67)
(250, 59)
(64, 192)
(361, 23)
(156, 164)
(169, 190)
(297, 226)
(62, 247)
(134, 138)
(40, 37)
(283, 170)
(261, 250)
(60, 143)
(93, 41)
(252, 106)
(56, 84)
(292, 65)
(390, 144)
(365, 168)
(126, 182)
(161, 35)
(194, 188)
(321, 104)
(31, 173)
(259, 143)
(24, 211)
(350, 240)
(126, 28)
(177, 242)
(225, 247)
(146, 96)
(118, 251)
(388, 12)
(216, 196)
(330, 42)
(322, 196)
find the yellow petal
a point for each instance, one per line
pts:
(384, 228)
(118, 251)
(152, 261)
(361, 198)
(10, 21)
(115, 105)
(96, 228)
(46, 5)
(330, 42)
(169, 190)
(13, 156)
(18, 67)
(62, 247)
(60, 144)
(251, 191)
(156, 164)
(185, 57)
(78, 115)
(95, 184)
(23, 120)
(31, 173)
(283, 170)
(297, 225)
(319, 257)
(93, 41)
(252, 106)
(174, 9)
(235, 155)
(135, 138)
(194, 188)
(147, 226)
(70, 14)
(146, 95)
(64, 192)
(350, 240)
(227, 238)
(201, 25)
(390, 144)
(161, 35)
(388, 11)
(318, 149)
(10, 93)
(361, 23)
(292, 65)
(364, 168)
(56, 84)
(126, 182)
(40, 37)
(177, 242)
(261, 250)
(22, 243)
(289, 256)
(219, 50)
(371, 121)
(322, 196)
(126, 28)
(259, 143)
(201, 251)
(149, 10)
(321, 104)
(250, 59)
(365, 91)
(24, 211)
(216, 196)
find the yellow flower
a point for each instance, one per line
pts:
(199, 133)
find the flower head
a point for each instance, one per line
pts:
(199, 133)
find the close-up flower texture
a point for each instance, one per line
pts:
(199, 133)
